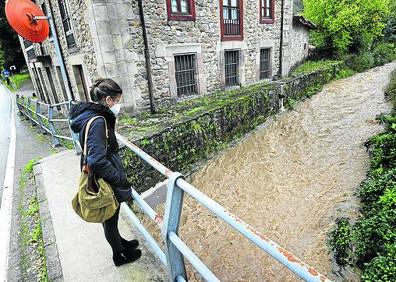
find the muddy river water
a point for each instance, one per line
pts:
(290, 179)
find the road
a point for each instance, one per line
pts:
(5, 115)
(13, 158)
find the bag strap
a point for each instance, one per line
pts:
(87, 131)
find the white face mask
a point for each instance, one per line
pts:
(116, 109)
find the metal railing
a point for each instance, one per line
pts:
(47, 117)
(176, 250)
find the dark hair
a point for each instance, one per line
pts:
(103, 88)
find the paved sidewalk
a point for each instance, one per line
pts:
(84, 254)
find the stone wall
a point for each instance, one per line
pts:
(180, 145)
(203, 37)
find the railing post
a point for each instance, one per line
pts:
(20, 107)
(39, 119)
(75, 137)
(29, 113)
(51, 126)
(174, 203)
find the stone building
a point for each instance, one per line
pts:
(191, 47)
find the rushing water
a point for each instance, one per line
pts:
(290, 180)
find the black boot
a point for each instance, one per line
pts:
(130, 245)
(126, 257)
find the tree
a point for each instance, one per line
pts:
(347, 25)
(9, 43)
(390, 29)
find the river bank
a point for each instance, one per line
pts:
(369, 243)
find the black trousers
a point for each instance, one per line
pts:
(112, 233)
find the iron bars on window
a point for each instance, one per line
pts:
(231, 68)
(265, 63)
(185, 75)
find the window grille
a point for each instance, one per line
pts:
(185, 75)
(231, 17)
(66, 21)
(265, 63)
(231, 68)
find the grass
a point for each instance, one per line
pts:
(312, 66)
(16, 81)
(30, 232)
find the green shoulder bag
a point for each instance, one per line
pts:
(95, 200)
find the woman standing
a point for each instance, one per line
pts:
(103, 160)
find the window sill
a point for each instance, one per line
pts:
(72, 50)
(232, 38)
(267, 21)
(181, 18)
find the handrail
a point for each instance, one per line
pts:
(32, 109)
(176, 246)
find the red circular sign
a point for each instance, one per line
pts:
(20, 15)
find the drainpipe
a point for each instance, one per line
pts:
(61, 57)
(147, 57)
(281, 40)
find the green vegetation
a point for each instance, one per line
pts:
(370, 243)
(17, 80)
(314, 66)
(31, 239)
(361, 33)
(347, 26)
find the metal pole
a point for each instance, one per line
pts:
(280, 72)
(58, 53)
(147, 57)
(174, 203)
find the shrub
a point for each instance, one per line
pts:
(382, 268)
(383, 150)
(375, 185)
(340, 241)
(373, 233)
(361, 62)
(384, 53)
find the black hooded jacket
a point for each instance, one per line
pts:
(104, 162)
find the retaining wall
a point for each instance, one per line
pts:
(194, 138)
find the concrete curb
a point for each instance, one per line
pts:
(54, 267)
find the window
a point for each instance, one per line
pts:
(265, 63)
(30, 49)
(231, 68)
(185, 75)
(66, 21)
(267, 8)
(181, 10)
(81, 84)
(231, 17)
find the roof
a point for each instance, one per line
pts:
(298, 19)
